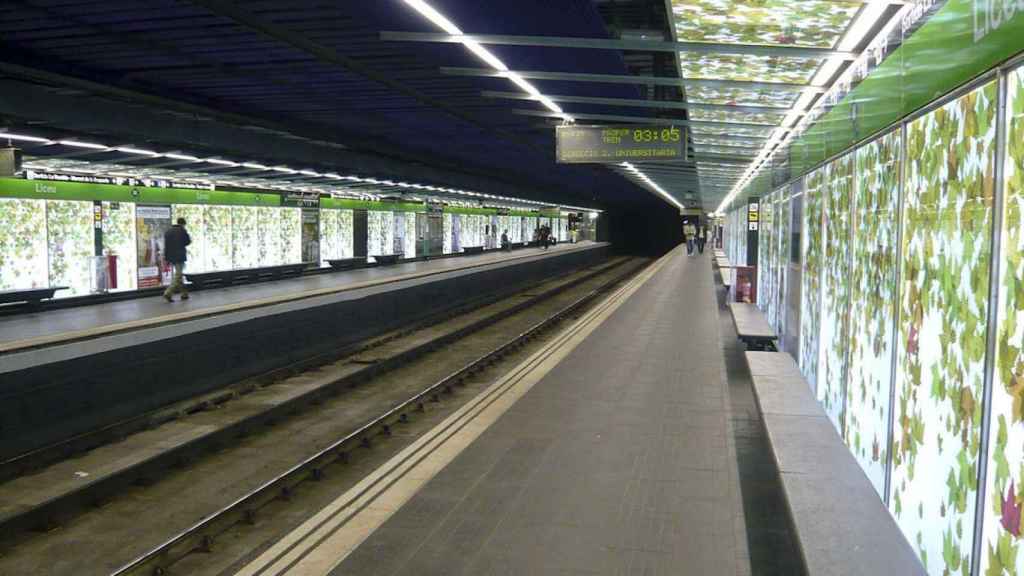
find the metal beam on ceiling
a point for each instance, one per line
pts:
(637, 103)
(697, 134)
(640, 119)
(328, 55)
(786, 51)
(630, 79)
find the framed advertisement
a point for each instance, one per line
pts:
(151, 223)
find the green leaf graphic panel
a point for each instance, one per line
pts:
(447, 241)
(1004, 498)
(763, 131)
(380, 233)
(835, 292)
(291, 235)
(810, 279)
(737, 117)
(807, 22)
(747, 68)
(764, 256)
(195, 223)
(119, 240)
(218, 237)
(270, 236)
(23, 245)
(873, 304)
(245, 237)
(740, 96)
(940, 355)
(70, 237)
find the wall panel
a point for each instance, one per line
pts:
(944, 289)
(873, 304)
(1004, 493)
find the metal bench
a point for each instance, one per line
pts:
(387, 259)
(30, 296)
(472, 249)
(752, 327)
(346, 263)
(841, 525)
(245, 275)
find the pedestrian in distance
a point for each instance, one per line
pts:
(176, 240)
(505, 244)
(702, 238)
(690, 235)
(544, 235)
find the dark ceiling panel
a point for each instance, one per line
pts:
(199, 54)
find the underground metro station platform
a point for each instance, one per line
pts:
(587, 287)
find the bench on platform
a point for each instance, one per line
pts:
(30, 296)
(840, 524)
(346, 263)
(472, 249)
(387, 259)
(202, 280)
(752, 327)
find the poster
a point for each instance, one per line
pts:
(311, 235)
(151, 223)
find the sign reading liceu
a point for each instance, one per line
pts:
(614, 144)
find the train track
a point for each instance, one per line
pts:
(243, 511)
(201, 536)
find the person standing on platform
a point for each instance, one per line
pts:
(176, 239)
(505, 244)
(544, 232)
(690, 234)
(702, 238)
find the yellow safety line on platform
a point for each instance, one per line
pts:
(323, 541)
(67, 337)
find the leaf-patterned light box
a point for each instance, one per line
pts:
(1004, 496)
(941, 346)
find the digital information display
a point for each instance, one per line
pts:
(614, 144)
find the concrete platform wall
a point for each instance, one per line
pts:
(50, 402)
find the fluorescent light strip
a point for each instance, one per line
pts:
(139, 151)
(89, 145)
(652, 184)
(24, 138)
(488, 57)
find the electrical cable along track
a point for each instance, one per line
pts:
(168, 499)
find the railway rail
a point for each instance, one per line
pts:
(242, 511)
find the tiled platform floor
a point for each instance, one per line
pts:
(620, 461)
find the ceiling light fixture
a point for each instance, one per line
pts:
(652, 184)
(24, 138)
(442, 22)
(89, 145)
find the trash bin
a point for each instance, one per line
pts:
(100, 274)
(745, 286)
(112, 271)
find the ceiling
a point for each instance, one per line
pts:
(373, 89)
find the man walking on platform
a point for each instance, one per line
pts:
(702, 238)
(690, 234)
(176, 239)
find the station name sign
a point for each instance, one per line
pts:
(615, 144)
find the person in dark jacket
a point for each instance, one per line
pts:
(176, 239)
